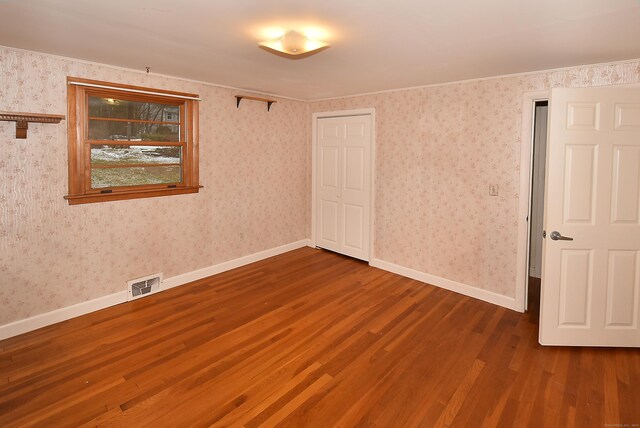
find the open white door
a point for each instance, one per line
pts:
(591, 284)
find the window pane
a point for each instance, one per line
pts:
(113, 155)
(135, 110)
(132, 131)
(135, 176)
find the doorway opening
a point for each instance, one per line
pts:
(536, 203)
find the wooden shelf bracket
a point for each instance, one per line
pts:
(22, 120)
(266, 100)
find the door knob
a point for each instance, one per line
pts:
(557, 236)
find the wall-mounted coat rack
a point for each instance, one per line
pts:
(22, 120)
(266, 100)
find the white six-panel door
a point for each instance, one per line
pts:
(591, 284)
(343, 188)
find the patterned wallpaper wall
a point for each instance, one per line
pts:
(437, 150)
(253, 165)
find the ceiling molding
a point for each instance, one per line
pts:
(364, 94)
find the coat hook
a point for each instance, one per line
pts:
(148, 69)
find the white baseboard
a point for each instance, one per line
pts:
(38, 321)
(458, 287)
(228, 265)
(33, 323)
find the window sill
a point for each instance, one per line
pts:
(129, 194)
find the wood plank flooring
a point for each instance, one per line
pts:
(310, 339)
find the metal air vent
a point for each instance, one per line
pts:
(141, 287)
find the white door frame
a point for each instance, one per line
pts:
(343, 113)
(524, 200)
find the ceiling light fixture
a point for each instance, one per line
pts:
(294, 44)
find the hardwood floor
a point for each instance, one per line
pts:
(311, 338)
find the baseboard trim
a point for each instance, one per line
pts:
(48, 318)
(458, 287)
(42, 320)
(228, 265)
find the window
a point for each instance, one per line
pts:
(128, 142)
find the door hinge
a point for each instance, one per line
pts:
(544, 233)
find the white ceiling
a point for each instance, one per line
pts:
(376, 44)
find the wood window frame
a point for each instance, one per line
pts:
(80, 191)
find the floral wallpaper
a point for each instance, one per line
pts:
(438, 149)
(253, 165)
